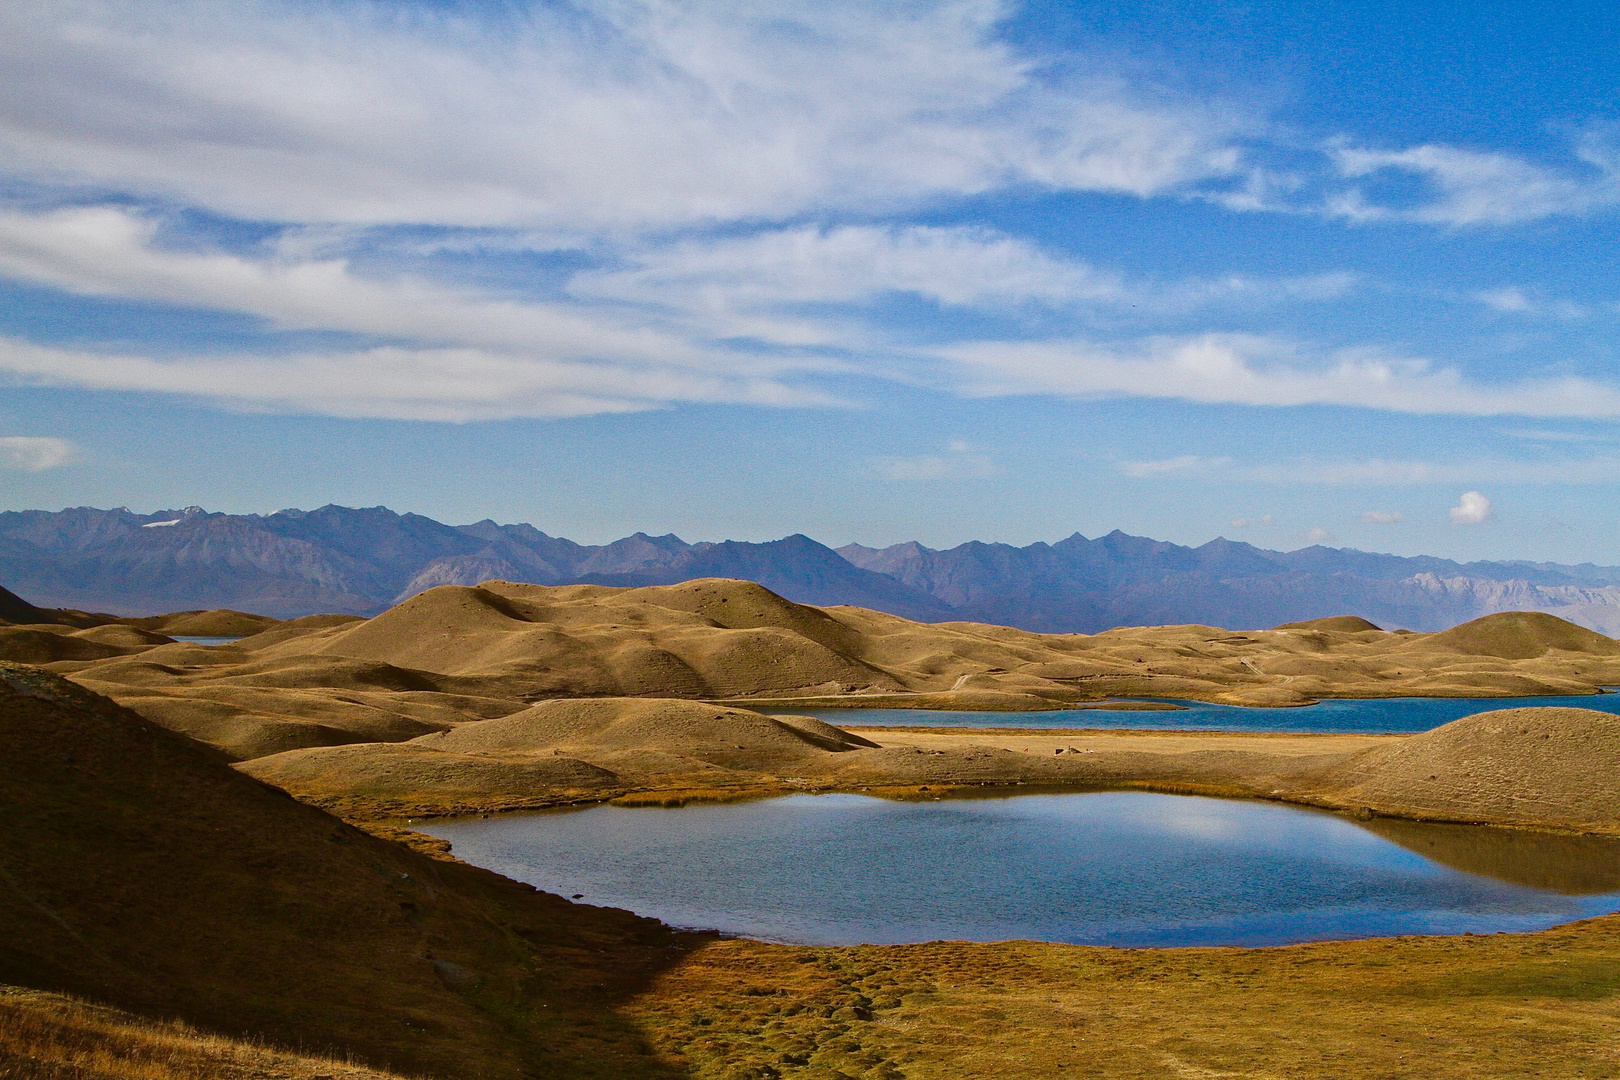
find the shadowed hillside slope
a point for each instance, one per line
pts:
(136, 868)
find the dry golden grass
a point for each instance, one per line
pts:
(1538, 1005)
(138, 868)
(454, 653)
(57, 1037)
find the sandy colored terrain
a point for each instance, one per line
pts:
(1545, 768)
(139, 870)
(454, 654)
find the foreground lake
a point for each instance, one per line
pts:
(1111, 868)
(1331, 715)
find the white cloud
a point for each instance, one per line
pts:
(1317, 535)
(598, 115)
(1379, 472)
(1513, 300)
(28, 453)
(1505, 299)
(1381, 517)
(956, 266)
(1480, 188)
(104, 251)
(1248, 370)
(1186, 464)
(1471, 509)
(397, 383)
(959, 462)
(1243, 523)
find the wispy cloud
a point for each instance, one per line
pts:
(771, 272)
(1250, 370)
(604, 115)
(959, 462)
(398, 383)
(1381, 517)
(1470, 187)
(33, 453)
(1377, 472)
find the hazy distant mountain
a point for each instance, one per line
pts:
(360, 561)
(1087, 585)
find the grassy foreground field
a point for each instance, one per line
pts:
(1540, 1005)
(139, 870)
(1537, 1005)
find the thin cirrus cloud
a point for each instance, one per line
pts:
(35, 453)
(1376, 472)
(652, 335)
(627, 129)
(1471, 187)
(633, 115)
(1382, 517)
(606, 115)
(1254, 370)
(398, 383)
(739, 280)
(959, 462)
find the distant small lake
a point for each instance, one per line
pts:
(1109, 868)
(205, 640)
(1347, 715)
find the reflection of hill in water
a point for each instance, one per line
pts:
(1568, 864)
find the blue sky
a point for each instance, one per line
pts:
(1285, 273)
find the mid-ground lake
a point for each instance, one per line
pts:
(1102, 868)
(1330, 715)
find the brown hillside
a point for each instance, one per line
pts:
(136, 868)
(49, 643)
(221, 622)
(590, 640)
(1535, 766)
(1520, 635)
(1344, 624)
(14, 609)
(557, 752)
(455, 653)
(630, 723)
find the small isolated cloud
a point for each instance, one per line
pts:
(1506, 299)
(959, 462)
(1471, 509)
(31, 454)
(1185, 465)
(1381, 517)
(1318, 535)
(1244, 523)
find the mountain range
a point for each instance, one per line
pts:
(361, 561)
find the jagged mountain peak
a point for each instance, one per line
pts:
(359, 560)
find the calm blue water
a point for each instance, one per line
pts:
(1111, 868)
(1368, 715)
(205, 640)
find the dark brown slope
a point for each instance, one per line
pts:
(138, 869)
(14, 609)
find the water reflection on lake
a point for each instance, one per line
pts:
(1360, 715)
(1110, 868)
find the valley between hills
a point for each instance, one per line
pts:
(154, 865)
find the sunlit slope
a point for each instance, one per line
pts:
(560, 751)
(1511, 766)
(459, 653)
